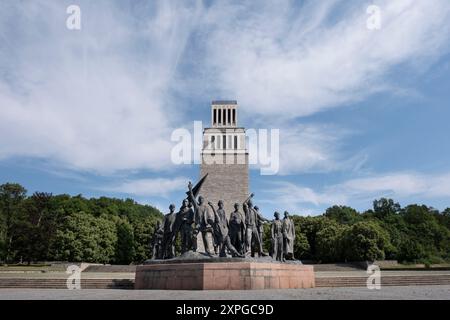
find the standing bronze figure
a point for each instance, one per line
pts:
(184, 222)
(277, 238)
(203, 219)
(221, 231)
(237, 229)
(157, 241)
(260, 220)
(288, 236)
(252, 241)
(168, 237)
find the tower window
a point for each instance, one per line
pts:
(224, 116)
(215, 116)
(229, 116)
(235, 143)
(220, 116)
(234, 116)
(213, 142)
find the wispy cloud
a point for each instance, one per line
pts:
(285, 60)
(97, 99)
(315, 148)
(158, 187)
(399, 186)
(102, 99)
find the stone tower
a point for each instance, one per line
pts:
(225, 157)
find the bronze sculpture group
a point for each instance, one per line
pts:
(241, 235)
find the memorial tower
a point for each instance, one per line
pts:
(225, 157)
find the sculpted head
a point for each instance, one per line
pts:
(250, 203)
(220, 204)
(256, 208)
(286, 214)
(201, 200)
(185, 203)
(172, 208)
(236, 206)
(277, 215)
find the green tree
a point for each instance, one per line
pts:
(34, 227)
(301, 245)
(329, 247)
(86, 238)
(385, 207)
(11, 198)
(125, 242)
(143, 233)
(343, 214)
(424, 230)
(365, 241)
(310, 226)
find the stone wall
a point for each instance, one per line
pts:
(227, 182)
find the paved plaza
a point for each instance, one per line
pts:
(403, 293)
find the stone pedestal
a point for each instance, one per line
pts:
(224, 276)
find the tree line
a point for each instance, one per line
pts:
(413, 234)
(46, 227)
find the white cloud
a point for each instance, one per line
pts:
(362, 191)
(95, 99)
(158, 187)
(315, 148)
(101, 99)
(286, 61)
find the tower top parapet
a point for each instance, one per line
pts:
(224, 102)
(224, 114)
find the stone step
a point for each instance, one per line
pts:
(336, 267)
(61, 283)
(129, 283)
(385, 281)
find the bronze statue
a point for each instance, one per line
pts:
(184, 221)
(288, 236)
(221, 231)
(168, 236)
(156, 241)
(260, 223)
(194, 229)
(252, 241)
(241, 235)
(277, 238)
(237, 229)
(203, 218)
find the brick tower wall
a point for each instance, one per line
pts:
(227, 182)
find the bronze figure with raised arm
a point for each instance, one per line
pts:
(203, 219)
(221, 231)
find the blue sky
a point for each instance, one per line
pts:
(362, 113)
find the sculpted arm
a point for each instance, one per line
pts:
(192, 198)
(216, 216)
